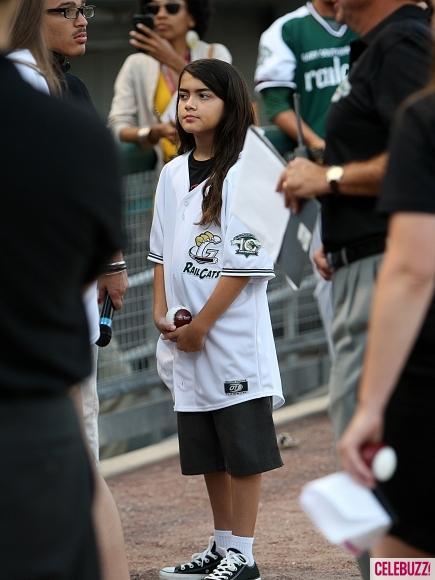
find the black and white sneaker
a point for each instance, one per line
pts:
(234, 567)
(199, 567)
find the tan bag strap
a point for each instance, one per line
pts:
(210, 52)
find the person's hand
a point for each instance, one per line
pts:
(115, 285)
(161, 131)
(322, 265)
(317, 143)
(302, 179)
(164, 326)
(159, 48)
(366, 427)
(189, 338)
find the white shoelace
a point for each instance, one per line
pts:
(228, 566)
(201, 557)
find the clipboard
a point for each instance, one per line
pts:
(285, 236)
(294, 256)
(255, 201)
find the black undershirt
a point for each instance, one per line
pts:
(199, 170)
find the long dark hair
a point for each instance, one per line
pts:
(229, 136)
(200, 10)
(26, 32)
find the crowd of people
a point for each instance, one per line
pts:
(364, 74)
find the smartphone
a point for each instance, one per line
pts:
(146, 19)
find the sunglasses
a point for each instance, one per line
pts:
(170, 7)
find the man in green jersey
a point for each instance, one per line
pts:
(305, 51)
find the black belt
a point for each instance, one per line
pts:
(358, 251)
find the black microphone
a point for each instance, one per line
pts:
(106, 318)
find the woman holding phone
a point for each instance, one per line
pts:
(144, 104)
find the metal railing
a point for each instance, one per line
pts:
(135, 405)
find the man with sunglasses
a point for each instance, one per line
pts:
(65, 33)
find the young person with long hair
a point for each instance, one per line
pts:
(143, 110)
(28, 50)
(65, 33)
(222, 368)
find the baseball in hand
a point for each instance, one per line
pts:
(381, 459)
(179, 316)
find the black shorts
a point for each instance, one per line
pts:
(239, 439)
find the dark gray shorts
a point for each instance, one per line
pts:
(239, 439)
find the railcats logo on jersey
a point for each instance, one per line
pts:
(246, 244)
(203, 254)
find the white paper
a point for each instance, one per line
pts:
(256, 202)
(345, 512)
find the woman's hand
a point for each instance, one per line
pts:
(189, 338)
(366, 427)
(159, 48)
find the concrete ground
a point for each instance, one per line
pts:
(166, 516)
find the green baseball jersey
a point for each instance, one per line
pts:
(303, 52)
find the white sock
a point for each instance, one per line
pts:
(222, 539)
(244, 545)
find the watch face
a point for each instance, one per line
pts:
(143, 132)
(335, 174)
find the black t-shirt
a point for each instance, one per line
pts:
(387, 65)
(73, 88)
(409, 183)
(60, 222)
(76, 91)
(198, 170)
(409, 186)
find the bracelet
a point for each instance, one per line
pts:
(116, 267)
(120, 263)
(115, 272)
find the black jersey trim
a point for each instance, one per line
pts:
(155, 258)
(246, 272)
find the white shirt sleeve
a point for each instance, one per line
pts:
(157, 233)
(276, 62)
(124, 109)
(28, 69)
(243, 254)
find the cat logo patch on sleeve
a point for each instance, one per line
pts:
(236, 387)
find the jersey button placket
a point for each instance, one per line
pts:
(186, 204)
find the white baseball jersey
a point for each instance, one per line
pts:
(238, 361)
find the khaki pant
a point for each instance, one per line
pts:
(352, 290)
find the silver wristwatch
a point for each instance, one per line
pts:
(143, 133)
(333, 177)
